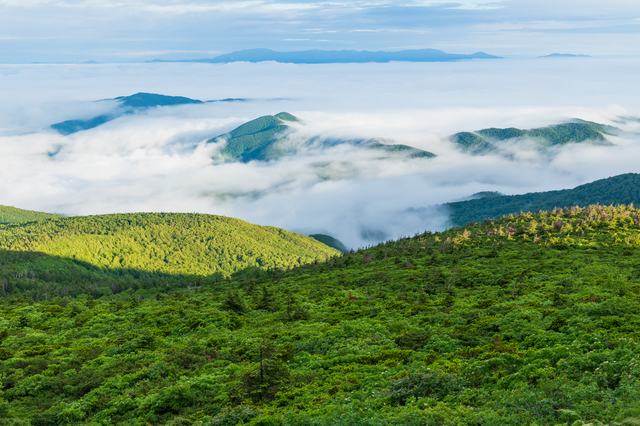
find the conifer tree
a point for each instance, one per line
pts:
(267, 300)
(233, 303)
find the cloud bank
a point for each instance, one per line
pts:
(158, 160)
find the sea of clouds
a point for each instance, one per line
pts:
(158, 159)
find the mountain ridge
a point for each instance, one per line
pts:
(575, 131)
(614, 190)
(130, 105)
(258, 139)
(317, 56)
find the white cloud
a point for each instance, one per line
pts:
(158, 161)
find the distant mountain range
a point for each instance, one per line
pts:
(564, 55)
(336, 56)
(129, 105)
(488, 140)
(263, 139)
(621, 189)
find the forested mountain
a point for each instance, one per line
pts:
(621, 189)
(106, 254)
(126, 105)
(331, 242)
(10, 214)
(255, 140)
(262, 139)
(533, 319)
(338, 56)
(488, 140)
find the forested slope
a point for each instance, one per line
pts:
(10, 214)
(109, 252)
(261, 140)
(621, 189)
(528, 320)
(577, 131)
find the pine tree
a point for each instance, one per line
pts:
(293, 309)
(233, 302)
(267, 300)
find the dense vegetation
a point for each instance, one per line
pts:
(127, 105)
(330, 241)
(260, 139)
(487, 140)
(103, 255)
(143, 100)
(255, 139)
(10, 214)
(405, 150)
(527, 320)
(621, 189)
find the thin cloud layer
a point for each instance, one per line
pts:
(158, 160)
(126, 31)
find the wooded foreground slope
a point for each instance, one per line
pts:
(528, 320)
(104, 254)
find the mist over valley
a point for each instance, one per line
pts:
(361, 146)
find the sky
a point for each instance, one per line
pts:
(118, 31)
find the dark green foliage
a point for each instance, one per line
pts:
(128, 105)
(149, 100)
(331, 242)
(260, 139)
(471, 143)
(621, 189)
(69, 127)
(255, 140)
(413, 339)
(293, 308)
(13, 215)
(266, 300)
(502, 134)
(405, 150)
(530, 319)
(486, 140)
(114, 253)
(233, 302)
(424, 384)
(267, 375)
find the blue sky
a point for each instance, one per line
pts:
(139, 30)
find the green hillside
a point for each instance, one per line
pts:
(143, 100)
(404, 150)
(10, 214)
(254, 140)
(126, 105)
(331, 242)
(621, 189)
(68, 255)
(259, 140)
(528, 320)
(487, 140)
